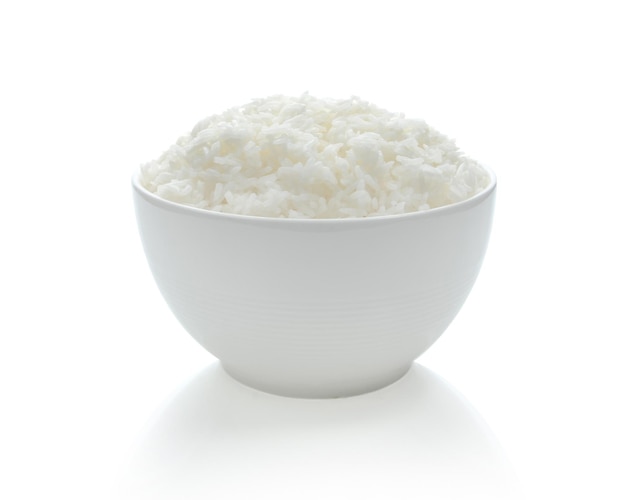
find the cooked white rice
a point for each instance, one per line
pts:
(313, 158)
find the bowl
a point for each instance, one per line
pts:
(315, 308)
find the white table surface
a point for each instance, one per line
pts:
(103, 391)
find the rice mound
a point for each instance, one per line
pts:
(313, 158)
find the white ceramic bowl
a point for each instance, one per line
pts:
(315, 308)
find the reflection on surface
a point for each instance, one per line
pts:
(417, 438)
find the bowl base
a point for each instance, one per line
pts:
(315, 389)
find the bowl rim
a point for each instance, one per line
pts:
(460, 206)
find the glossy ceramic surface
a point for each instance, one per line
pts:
(315, 308)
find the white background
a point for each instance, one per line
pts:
(88, 349)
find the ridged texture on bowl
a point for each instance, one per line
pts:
(315, 308)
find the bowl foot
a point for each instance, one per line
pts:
(322, 387)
